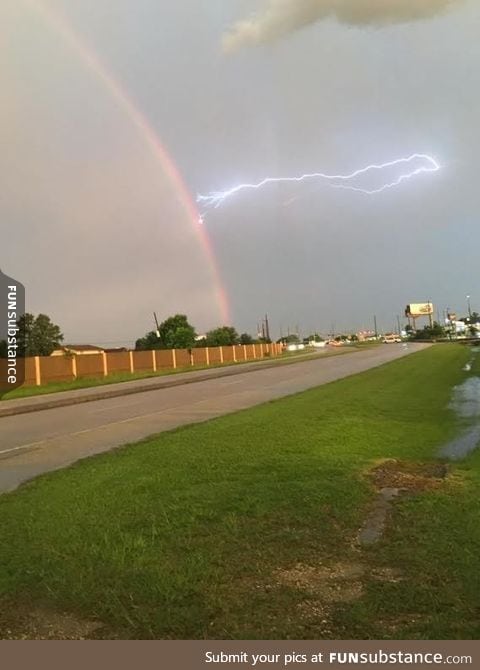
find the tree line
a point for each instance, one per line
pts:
(437, 331)
(177, 333)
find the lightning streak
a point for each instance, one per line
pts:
(216, 198)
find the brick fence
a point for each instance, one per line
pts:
(47, 369)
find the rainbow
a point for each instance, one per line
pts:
(92, 62)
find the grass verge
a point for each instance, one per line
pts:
(244, 527)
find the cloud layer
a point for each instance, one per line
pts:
(282, 17)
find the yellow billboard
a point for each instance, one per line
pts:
(419, 309)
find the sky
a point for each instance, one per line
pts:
(115, 114)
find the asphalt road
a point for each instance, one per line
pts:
(31, 444)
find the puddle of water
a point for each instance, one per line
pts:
(463, 445)
(466, 398)
(466, 404)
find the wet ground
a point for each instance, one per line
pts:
(465, 403)
(462, 446)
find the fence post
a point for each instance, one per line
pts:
(221, 354)
(234, 353)
(38, 378)
(74, 366)
(154, 361)
(105, 364)
(132, 367)
(207, 355)
(254, 347)
(174, 359)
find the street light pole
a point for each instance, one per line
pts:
(469, 308)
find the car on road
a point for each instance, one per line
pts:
(391, 338)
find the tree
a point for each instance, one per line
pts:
(222, 337)
(314, 338)
(149, 342)
(174, 333)
(430, 332)
(37, 336)
(245, 338)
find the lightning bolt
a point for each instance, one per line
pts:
(216, 198)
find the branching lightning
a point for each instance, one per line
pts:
(217, 198)
(393, 184)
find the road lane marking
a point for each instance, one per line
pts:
(23, 446)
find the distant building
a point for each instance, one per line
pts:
(366, 336)
(456, 327)
(77, 350)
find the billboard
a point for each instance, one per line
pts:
(419, 309)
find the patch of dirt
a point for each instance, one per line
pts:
(315, 613)
(408, 477)
(328, 584)
(337, 583)
(22, 622)
(393, 478)
(387, 575)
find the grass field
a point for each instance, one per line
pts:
(245, 526)
(115, 378)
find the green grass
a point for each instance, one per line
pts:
(194, 533)
(115, 378)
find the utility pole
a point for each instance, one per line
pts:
(398, 324)
(267, 328)
(375, 326)
(156, 324)
(469, 309)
